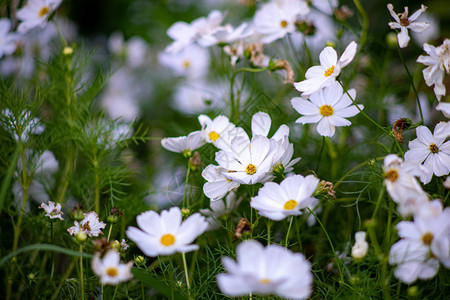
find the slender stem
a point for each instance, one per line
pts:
(185, 199)
(186, 273)
(353, 170)
(365, 22)
(97, 184)
(338, 263)
(69, 270)
(269, 225)
(380, 197)
(288, 232)
(81, 273)
(412, 84)
(53, 253)
(109, 232)
(320, 153)
(115, 291)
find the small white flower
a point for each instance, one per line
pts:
(431, 150)
(90, 225)
(278, 201)
(214, 131)
(359, 250)
(52, 211)
(219, 208)
(404, 23)
(266, 270)
(109, 268)
(330, 67)
(217, 185)
(226, 34)
(434, 73)
(328, 107)
(184, 144)
(192, 61)
(166, 234)
(8, 40)
(35, 13)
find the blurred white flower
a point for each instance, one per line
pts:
(184, 144)
(227, 34)
(166, 234)
(192, 61)
(219, 208)
(109, 268)
(8, 40)
(36, 13)
(266, 270)
(432, 32)
(52, 211)
(217, 185)
(430, 149)
(359, 250)
(446, 183)
(278, 201)
(330, 67)
(328, 107)
(404, 23)
(90, 225)
(444, 107)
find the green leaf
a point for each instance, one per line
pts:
(45, 247)
(6, 182)
(146, 278)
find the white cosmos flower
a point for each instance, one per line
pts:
(359, 250)
(278, 201)
(166, 234)
(35, 13)
(434, 72)
(431, 150)
(8, 40)
(184, 144)
(328, 107)
(217, 185)
(404, 23)
(266, 270)
(109, 268)
(282, 160)
(90, 225)
(248, 163)
(276, 19)
(52, 211)
(424, 243)
(402, 186)
(227, 34)
(214, 131)
(219, 208)
(330, 67)
(192, 61)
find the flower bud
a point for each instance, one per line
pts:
(185, 212)
(68, 51)
(413, 291)
(81, 236)
(391, 40)
(140, 260)
(78, 213)
(359, 250)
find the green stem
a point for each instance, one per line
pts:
(97, 184)
(185, 199)
(109, 232)
(53, 254)
(115, 291)
(365, 22)
(269, 225)
(81, 273)
(412, 84)
(286, 242)
(186, 273)
(320, 153)
(353, 170)
(380, 197)
(69, 270)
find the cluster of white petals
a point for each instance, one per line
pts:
(264, 271)
(36, 13)
(184, 144)
(166, 234)
(403, 22)
(8, 40)
(90, 225)
(109, 268)
(52, 211)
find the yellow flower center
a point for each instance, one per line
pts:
(112, 271)
(329, 71)
(250, 169)
(392, 175)
(214, 135)
(427, 238)
(264, 281)
(44, 11)
(283, 24)
(434, 148)
(187, 64)
(326, 110)
(167, 239)
(290, 205)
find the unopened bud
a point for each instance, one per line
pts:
(413, 291)
(331, 44)
(115, 245)
(391, 40)
(68, 51)
(140, 260)
(185, 212)
(81, 236)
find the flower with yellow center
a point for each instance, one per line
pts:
(326, 110)
(289, 198)
(250, 169)
(44, 10)
(214, 136)
(329, 71)
(109, 268)
(391, 175)
(283, 23)
(218, 128)
(165, 233)
(35, 14)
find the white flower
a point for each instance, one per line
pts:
(220, 208)
(266, 270)
(8, 40)
(424, 243)
(214, 131)
(166, 234)
(192, 61)
(359, 250)
(52, 211)
(278, 201)
(402, 186)
(282, 160)
(109, 269)
(274, 20)
(217, 185)
(184, 144)
(226, 34)
(446, 183)
(434, 73)
(444, 107)
(328, 107)
(431, 150)
(404, 23)
(35, 13)
(249, 163)
(90, 225)
(330, 67)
